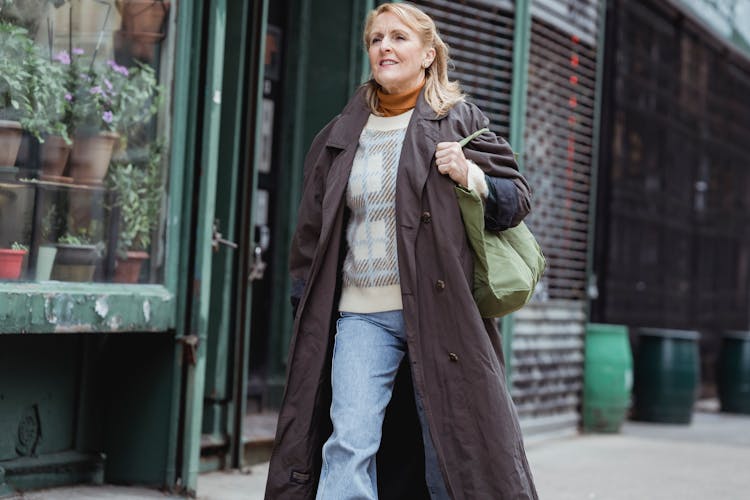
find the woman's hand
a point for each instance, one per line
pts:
(451, 161)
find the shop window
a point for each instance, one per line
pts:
(83, 148)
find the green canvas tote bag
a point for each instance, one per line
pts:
(507, 264)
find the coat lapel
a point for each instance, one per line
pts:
(416, 160)
(418, 152)
(344, 137)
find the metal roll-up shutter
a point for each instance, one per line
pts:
(479, 34)
(547, 357)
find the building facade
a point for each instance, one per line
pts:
(627, 117)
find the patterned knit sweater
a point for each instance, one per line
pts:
(371, 279)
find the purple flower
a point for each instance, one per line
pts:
(108, 84)
(97, 90)
(117, 68)
(62, 57)
(77, 51)
(68, 97)
(107, 117)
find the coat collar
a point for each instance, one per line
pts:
(348, 127)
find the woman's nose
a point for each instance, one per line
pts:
(385, 45)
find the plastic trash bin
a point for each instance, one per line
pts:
(608, 377)
(667, 375)
(733, 372)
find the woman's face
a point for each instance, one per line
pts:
(397, 54)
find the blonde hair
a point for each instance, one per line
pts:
(439, 92)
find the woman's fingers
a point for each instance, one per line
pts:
(450, 160)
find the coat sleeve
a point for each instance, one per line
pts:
(309, 215)
(509, 196)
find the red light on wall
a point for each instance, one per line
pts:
(574, 60)
(573, 80)
(573, 101)
(571, 120)
(575, 39)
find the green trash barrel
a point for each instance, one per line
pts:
(733, 372)
(667, 375)
(608, 377)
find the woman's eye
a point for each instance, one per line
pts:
(375, 40)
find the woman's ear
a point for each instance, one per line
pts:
(429, 57)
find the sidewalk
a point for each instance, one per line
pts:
(708, 460)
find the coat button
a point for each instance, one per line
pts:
(440, 284)
(453, 357)
(426, 217)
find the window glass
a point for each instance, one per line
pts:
(83, 135)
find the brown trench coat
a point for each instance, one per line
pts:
(455, 356)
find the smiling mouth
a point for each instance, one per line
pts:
(387, 63)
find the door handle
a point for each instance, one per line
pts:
(218, 239)
(258, 266)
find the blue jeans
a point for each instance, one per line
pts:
(367, 352)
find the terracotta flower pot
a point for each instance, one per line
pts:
(11, 262)
(129, 270)
(55, 152)
(10, 141)
(143, 16)
(90, 157)
(142, 46)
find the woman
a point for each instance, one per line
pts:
(382, 274)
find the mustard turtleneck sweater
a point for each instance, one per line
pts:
(396, 104)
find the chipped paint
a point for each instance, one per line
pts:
(146, 310)
(101, 306)
(78, 307)
(114, 323)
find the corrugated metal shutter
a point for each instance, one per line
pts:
(548, 342)
(547, 358)
(480, 36)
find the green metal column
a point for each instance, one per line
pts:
(521, 43)
(591, 279)
(225, 277)
(195, 343)
(184, 128)
(257, 67)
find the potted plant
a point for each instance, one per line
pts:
(142, 27)
(78, 253)
(46, 252)
(109, 101)
(15, 51)
(138, 193)
(50, 108)
(11, 261)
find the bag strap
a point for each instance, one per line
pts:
(466, 140)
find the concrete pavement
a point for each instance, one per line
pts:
(707, 460)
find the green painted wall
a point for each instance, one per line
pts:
(38, 382)
(134, 382)
(65, 399)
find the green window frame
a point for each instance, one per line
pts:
(66, 307)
